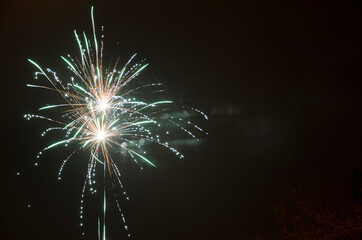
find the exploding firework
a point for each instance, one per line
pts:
(98, 112)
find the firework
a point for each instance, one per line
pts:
(98, 112)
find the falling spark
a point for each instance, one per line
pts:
(99, 112)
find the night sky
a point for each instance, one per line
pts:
(279, 81)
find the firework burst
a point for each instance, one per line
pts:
(98, 112)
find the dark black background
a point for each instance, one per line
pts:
(280, 81)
